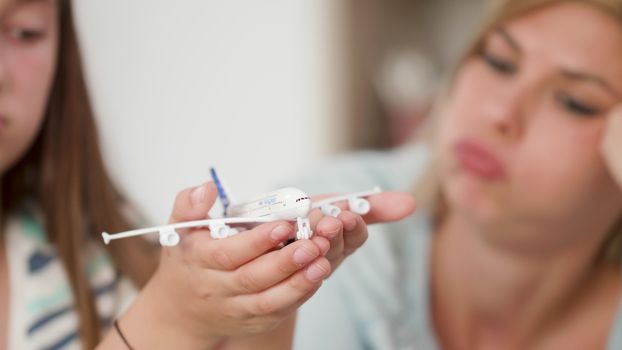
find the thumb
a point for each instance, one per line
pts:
(194, 203)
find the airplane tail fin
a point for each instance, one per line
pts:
(222, 192)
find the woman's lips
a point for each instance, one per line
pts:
(476, 159)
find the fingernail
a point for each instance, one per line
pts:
(315, 273)
(198, 194)
(303, 256)
(280, 233)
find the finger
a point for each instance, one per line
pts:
(355, 232)
(328, 227)
(389, 206)
(322, 243)
(287, 294)
(315, 216)
(194, 203)
(328, 234)
(384, 207)
(272, 268)
(230, 253)
(332, 229)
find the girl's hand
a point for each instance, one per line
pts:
(208, 293)
(207, 290)
(341, 236)
(612, 144)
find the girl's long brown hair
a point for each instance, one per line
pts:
(63, 172)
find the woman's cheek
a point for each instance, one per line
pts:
(556, 177)
(32, 74)
(34, 69)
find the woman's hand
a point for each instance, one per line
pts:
(612, 144)
(207, 290)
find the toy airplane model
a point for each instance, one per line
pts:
(290, 204)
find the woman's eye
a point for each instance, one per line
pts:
(26, 35)
(499, 64)
(575, 106)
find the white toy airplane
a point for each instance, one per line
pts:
(290, 204)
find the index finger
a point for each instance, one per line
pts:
(230, 253)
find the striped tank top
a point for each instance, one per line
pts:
(42, 314)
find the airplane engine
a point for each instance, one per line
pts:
(330, 210)
(359, 205)
(220, 231)
(169, 238)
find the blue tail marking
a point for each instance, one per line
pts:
(221, 191)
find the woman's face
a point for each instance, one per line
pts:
(28, 46)
(520, 140)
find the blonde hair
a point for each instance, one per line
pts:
(428, 188)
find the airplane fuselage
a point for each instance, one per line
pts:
(284, 204)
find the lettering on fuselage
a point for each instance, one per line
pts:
(262, 208)
(270, 201)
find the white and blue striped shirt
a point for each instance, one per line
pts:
(42, 314)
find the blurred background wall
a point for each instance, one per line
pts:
(261, 89)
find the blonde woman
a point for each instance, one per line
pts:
(516, 244)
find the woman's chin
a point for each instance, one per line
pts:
(473, 200)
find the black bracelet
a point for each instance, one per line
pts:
(116, 326)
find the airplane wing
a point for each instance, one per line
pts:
(356, 202)
(169, 237)
(219, 228)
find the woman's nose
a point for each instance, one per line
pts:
(505, 112)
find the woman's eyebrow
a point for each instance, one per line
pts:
(508, 39)
(591, 78)
(27, 1)
(571, 74)
(11, 3)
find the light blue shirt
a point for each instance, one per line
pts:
(379, 297)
